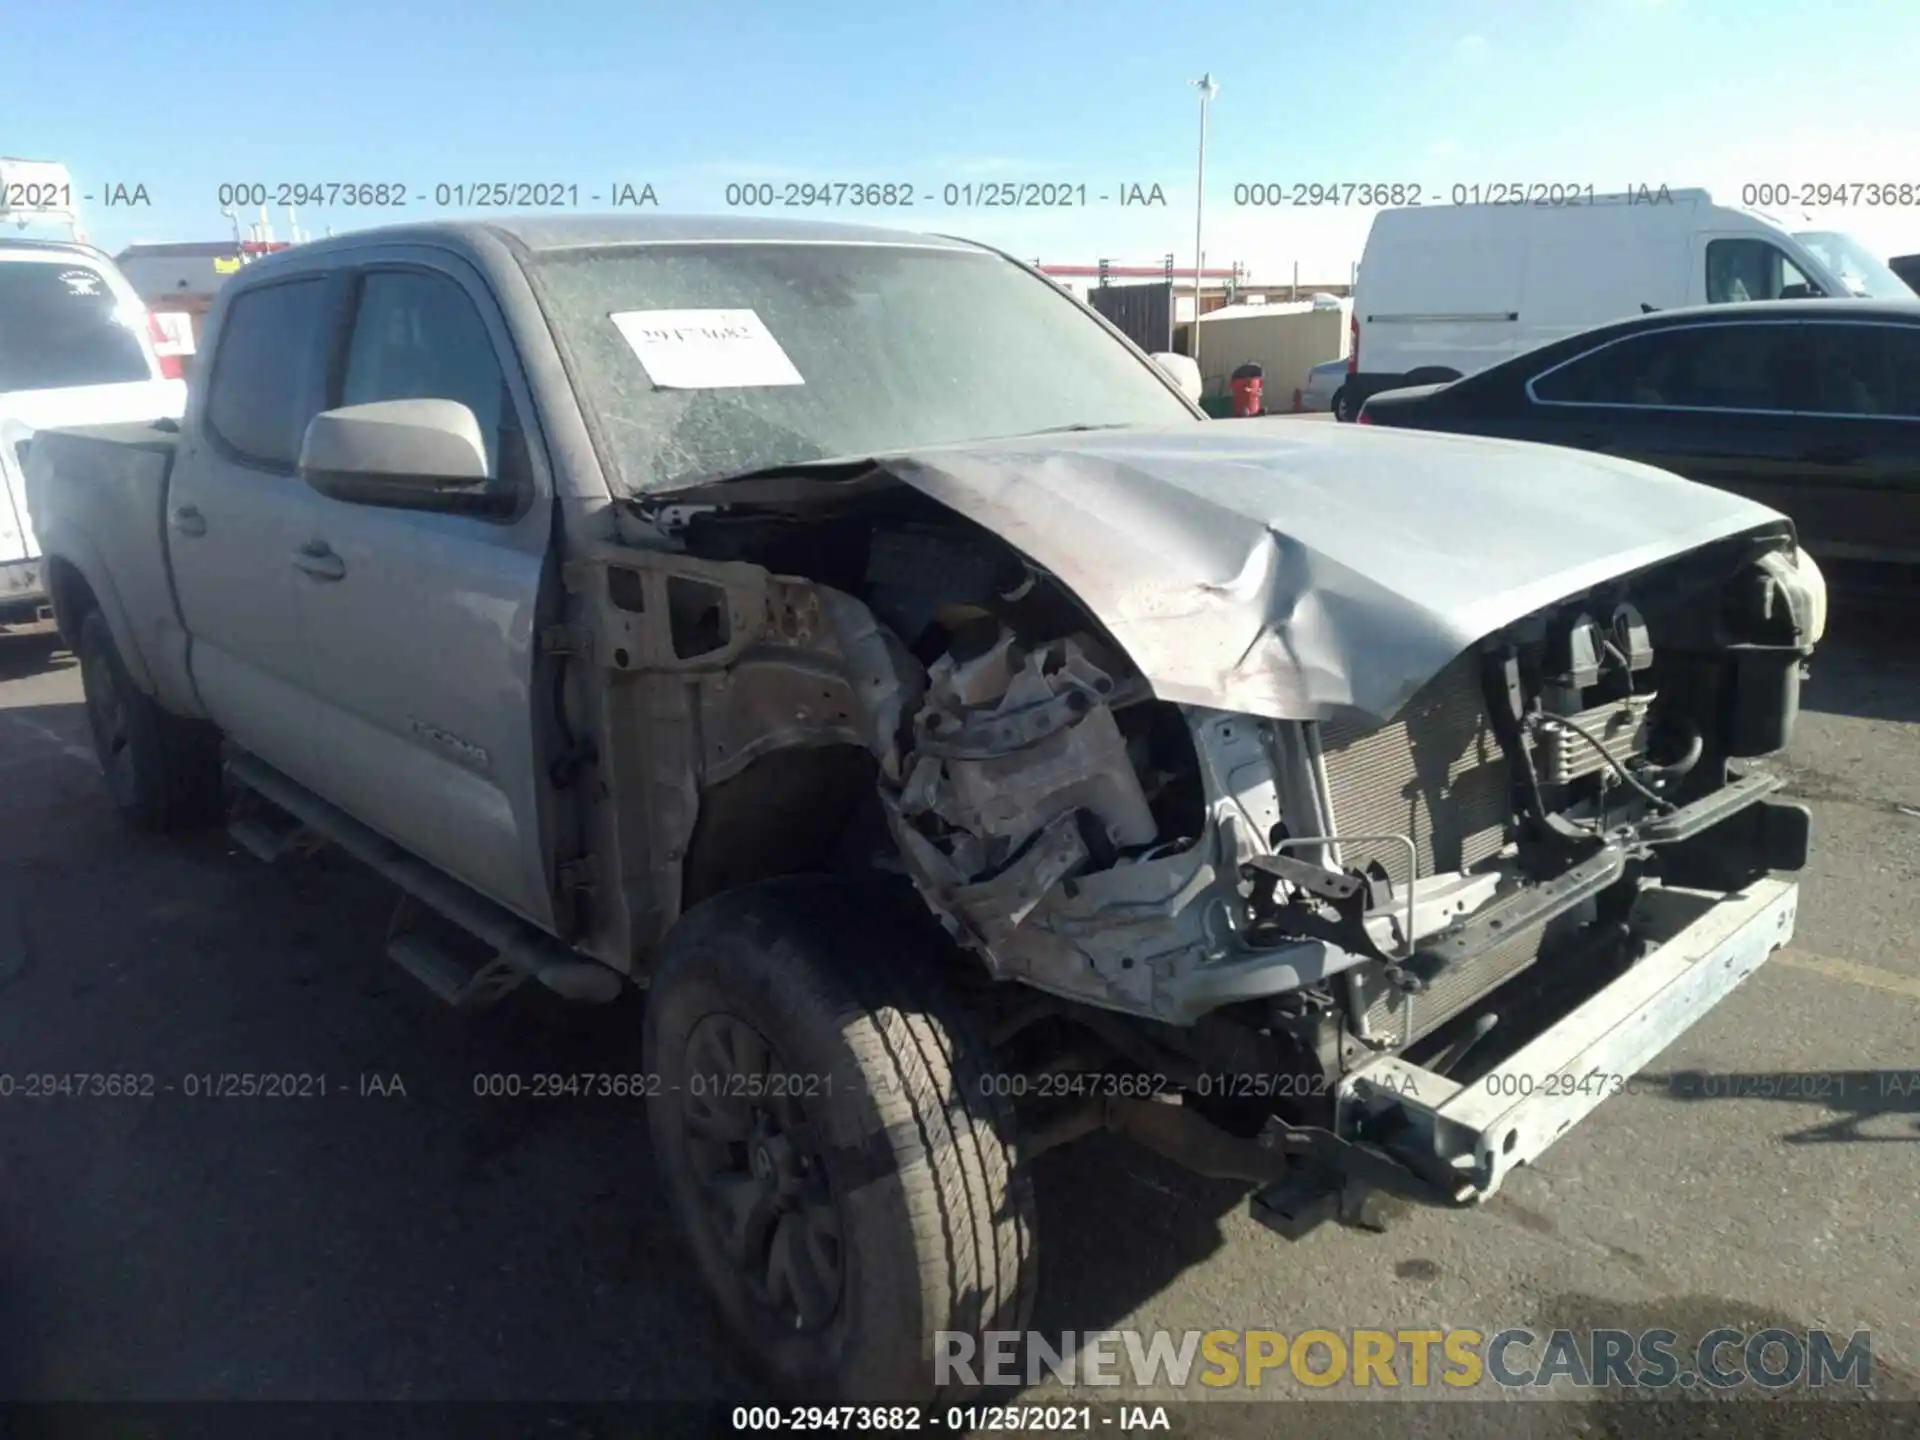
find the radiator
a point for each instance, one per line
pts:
(1455, 988)
(1435, 775)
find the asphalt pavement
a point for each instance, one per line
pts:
(401, 1236)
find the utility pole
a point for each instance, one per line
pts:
(1208, 89)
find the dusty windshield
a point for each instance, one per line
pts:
(696, 361)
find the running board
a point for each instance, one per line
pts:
(435, 952)
(459, 985)
(266, 840)
(519, 949)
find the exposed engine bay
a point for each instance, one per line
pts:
(1195, 887)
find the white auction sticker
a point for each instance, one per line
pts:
(706, 349)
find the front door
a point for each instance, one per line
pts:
(1857, 494)
(1730, 267)
(1712, 401)
(421, 627)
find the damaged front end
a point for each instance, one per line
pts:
(1096, 843)
(1290, 917)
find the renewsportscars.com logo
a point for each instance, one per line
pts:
(1511, 1359)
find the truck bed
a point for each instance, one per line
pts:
(98, 493)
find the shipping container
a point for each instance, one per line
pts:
(1143, 313)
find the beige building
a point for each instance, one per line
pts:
(1286, 339)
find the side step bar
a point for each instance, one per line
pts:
(269, 835)
(521, 952)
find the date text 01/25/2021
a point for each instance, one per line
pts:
(1070, 1420)
(950, 195)
(1372, 194)
(446, 194)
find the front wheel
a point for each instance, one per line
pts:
(831, 1142)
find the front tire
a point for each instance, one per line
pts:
(162, 771)
(830, 1140)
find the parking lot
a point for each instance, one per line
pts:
(401, 1237)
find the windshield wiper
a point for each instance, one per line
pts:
(1068, 429)
(846, 467)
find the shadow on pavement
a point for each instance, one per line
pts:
(32, 652)
(383, 1229)
(1868, 667)
(1854, 1098)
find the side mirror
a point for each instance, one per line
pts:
(403, 454)
(1183, 370)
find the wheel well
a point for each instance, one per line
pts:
(71, 596)
(799, 809)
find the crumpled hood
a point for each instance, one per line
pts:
(1307, 571)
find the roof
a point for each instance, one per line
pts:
(1798, 309)
(542, 233)
(1760, 311)
(1754, 312)
(194, 248)
(51, 247)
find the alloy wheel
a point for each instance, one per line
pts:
(761, 1179)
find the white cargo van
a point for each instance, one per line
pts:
(1445, 291)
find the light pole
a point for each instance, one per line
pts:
(1208, 89)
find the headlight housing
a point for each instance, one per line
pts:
(1805, 590)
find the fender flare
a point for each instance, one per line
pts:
(71, 559)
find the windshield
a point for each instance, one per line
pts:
(1864, 273)
(59, 326)
(698, 360)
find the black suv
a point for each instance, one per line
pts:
(1810, 406)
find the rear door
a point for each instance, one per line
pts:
(422, 633)
(238, 515)
(1857, 493)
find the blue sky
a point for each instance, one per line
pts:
(187, 96)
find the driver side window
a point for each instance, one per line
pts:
(1739, 270)
(417, 336)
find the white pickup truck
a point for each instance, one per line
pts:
(850, 637)
(76, 348)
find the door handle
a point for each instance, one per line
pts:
(319, 561)
(188, 520)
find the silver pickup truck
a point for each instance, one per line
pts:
(852, 639)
